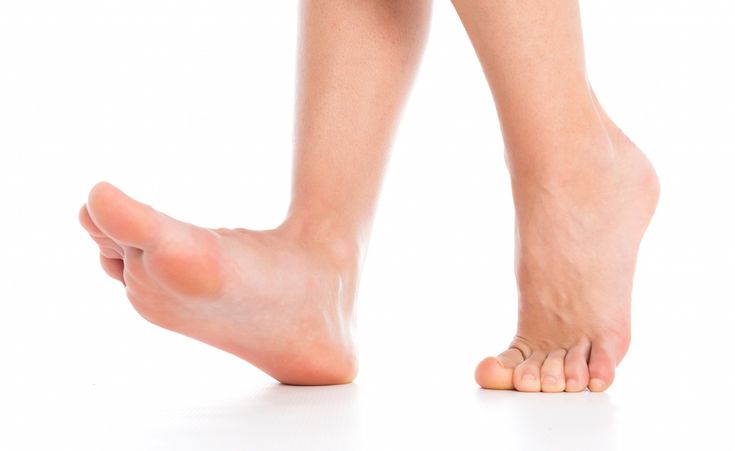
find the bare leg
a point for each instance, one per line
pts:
(282, 299)
(583, 192)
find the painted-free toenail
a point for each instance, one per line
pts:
(597, 383)
(529, 378)
(549, 380)
(571, 382)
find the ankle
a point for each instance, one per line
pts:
(584, 152)
(326, 234)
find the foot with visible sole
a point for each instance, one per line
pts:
(275, 298)
(578, 229)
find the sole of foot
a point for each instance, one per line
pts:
(274, 298)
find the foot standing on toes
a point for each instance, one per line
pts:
(583, 195)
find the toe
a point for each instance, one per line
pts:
(497, 372)
(179, 256)
(575, 368)
(114, 267)
(601, 367)
(121, 218)
(86, 221)
(527, 375)
(552, 371)
(108, 247)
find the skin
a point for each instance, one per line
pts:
(282, 299)
(583, 193)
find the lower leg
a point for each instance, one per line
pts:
(282, 299)
(583, 194)
(356, 64)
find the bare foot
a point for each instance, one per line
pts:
(275, 298)
(578, 227)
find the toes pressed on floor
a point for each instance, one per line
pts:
(490, 373)
(579, 368)
(597, 385)
(552, 372)
(601, 367)
(497, 372)
(575, 368)
(527, 375)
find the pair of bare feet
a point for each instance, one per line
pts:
(283, 301)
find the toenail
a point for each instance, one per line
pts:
(549, 380)
(597, 383)
(571, 382)
(529, 378)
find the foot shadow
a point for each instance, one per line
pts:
(552, 420)
(276, 417)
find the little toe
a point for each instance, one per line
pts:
(552, 372)
(575, 368)
(601, 367)
(497, 372)
(527, 375)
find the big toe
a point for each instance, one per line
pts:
(181, 257)
(122, 218)
(497, 372)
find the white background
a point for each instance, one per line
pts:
(187, 105)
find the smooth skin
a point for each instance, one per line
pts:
(283, 299)
(583, 194)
